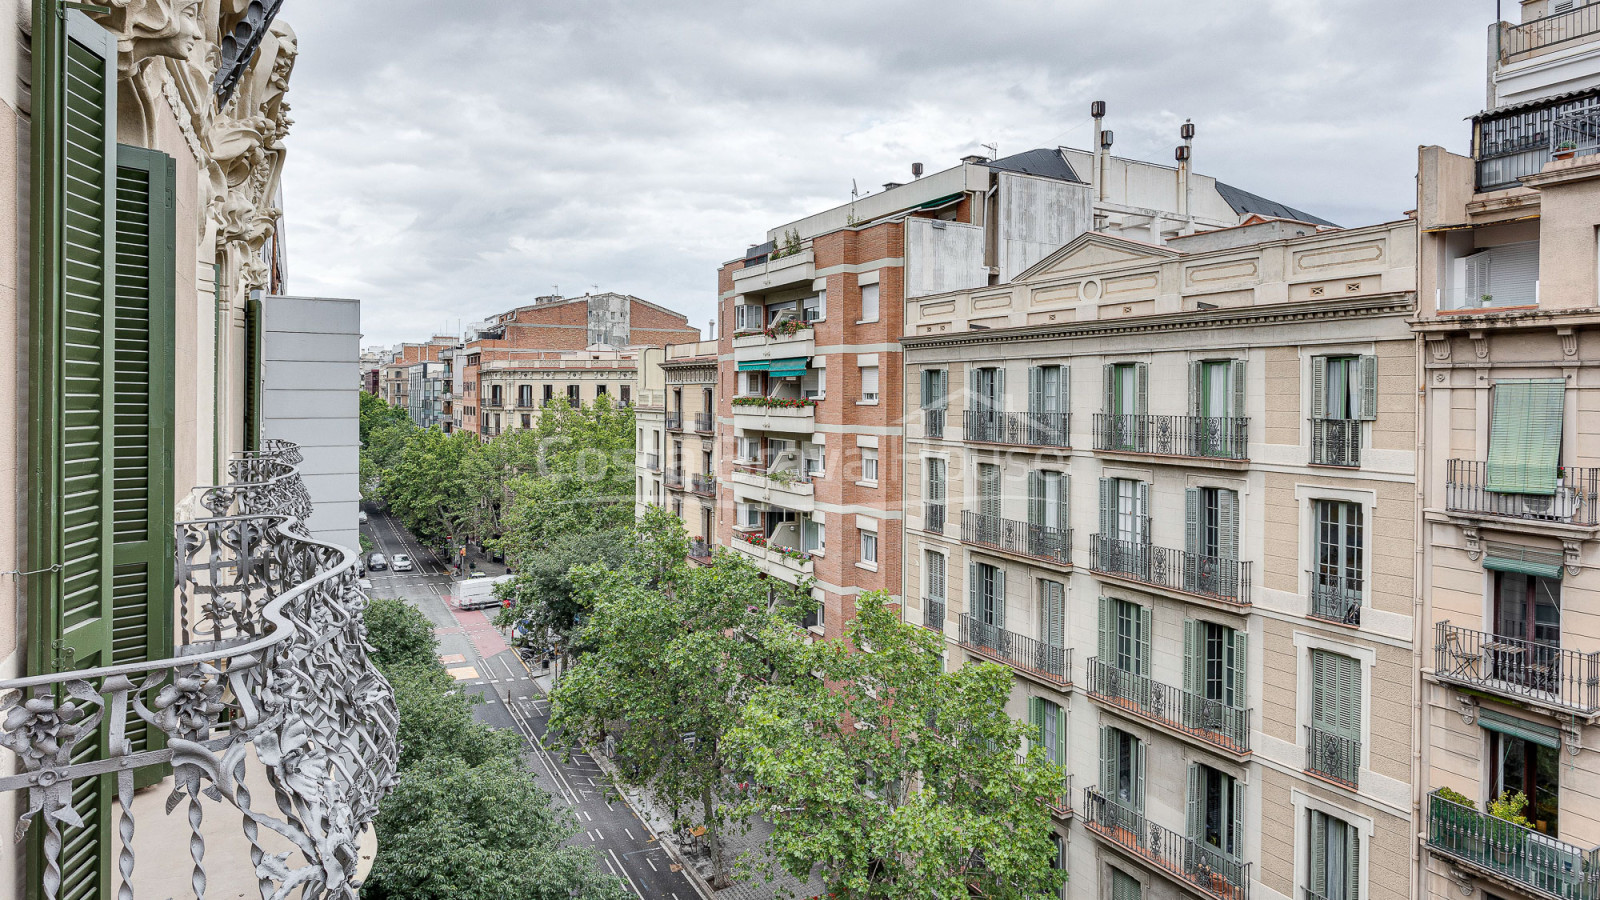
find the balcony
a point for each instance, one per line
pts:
(783, 340)
(1336, 442)
(703, 485)
(1020, 429)
(788, 559)
(1193, 864)
(673, 479)
(1521, 670)
(933, 614)
(933, 517)
(652, 461)
(1521, 140)
(1041, 661)
(1512, 853)
(1211, 577)
(1222, 726)
(1525, 39)
(700, 551)
(1336, 599)
(786, 488)
(1333, 757)
(675, 421)
(1061, 804)
(1017, 538)
(1190, 437)
(775, 414)
(1577, 134)
(705, 423)
(793, 269)
(268, 694)
(1576, 500)
(933, 424)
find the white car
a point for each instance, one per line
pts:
(402, 563)
(362, 517)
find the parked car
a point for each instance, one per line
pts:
(362, 517)
(402, 563)
(377, 563)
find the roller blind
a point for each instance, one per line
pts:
(1525, 435)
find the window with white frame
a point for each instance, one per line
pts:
(811, 459)
(869, 384)
(869, 546)
(1334, 869)
(748, 515)
(749, 449)
(869, 464)
(869, 303)
(933, 565)
(814, 535)
(815, 307)
(752, 384)
(814, 384)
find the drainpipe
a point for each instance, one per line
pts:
(216, 375)
(1420, 629)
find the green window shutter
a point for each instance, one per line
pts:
(1138, 776)
(1525, 435)
(1236, 375)
(1109, 392)
(1107, 632)
(1036, 719)
(1035, 390)
(974, 399)
(1196, 385)
(1035, 497)
(1055, 620)
(1367, 388)
(1352, 861)
(999, 598)
(1194, 821)
(253, 339)
(1144, 640)
(1142, 370)
(1060, 716)
(1064, 404)
(1194, 656)
(927, 388)
(1142, 512)
(1320, 691)
(999, 389)
(1235, 840)
(1319, 387)
(71, 398)
(1228, 524)
(142, 492)
(1241, 673)
(1191, 520)
(1108, 509)
(1543, 735)
(973, 609)
(1108, 762)
(1319, 854)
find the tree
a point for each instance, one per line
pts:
(899, 779)
(426, 483)
(436, 720)
(582, 477)
(377, 413)
(543, 592)
(676, 650)
(384, 430)
(400, 634)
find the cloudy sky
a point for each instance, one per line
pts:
(452, 160)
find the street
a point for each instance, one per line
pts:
(477, 655)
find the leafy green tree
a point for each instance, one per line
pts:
(436, 720)
(899, 779)
(582, 477)
(676, 650)
(543, 591)
(483, 832)
(400, 634)
(426, 484)
(384, 430)
(377, 413)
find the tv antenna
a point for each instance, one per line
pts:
(994, 149)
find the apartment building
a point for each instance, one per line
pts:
(394, 378)
(186, 704)
(425, 394)
(1171, 488)
(688, 445)
(512, 392)
(809, 354)
(1509, 341)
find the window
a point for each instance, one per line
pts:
(494, 395)
(747, 317)
(1123, 886)
(1525, 435)
(1047, 390)
(1344, 387)
(1050, 724)
(1335, 731)
(1532, 767)
(869, 302)
(1335, 864)
(1216, 810)
(1122, 768)
(747, 515)
(1211, 522)
(933, 564)
(869, 384)
(814, 383)
(989, 500)
(869, 546)
(749, 449)
(527, 421)
(816, 616)
(574, 394)
(988, 389)
(1507, 275)
(1214, 663)
(1047, 499)
(933, 512)
(524, 395)
(869, 465)
(627, 394)
(752, 384)
(812, 459)
(549, 393)
(1125, 635)
(986, 599)
(1336, 588)
(599, 390)
(815, 307)
(1124, 505)
(1053, 616)
(1527, 626)
(1126, 389)
(814, 534)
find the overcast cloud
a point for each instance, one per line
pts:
(451, 160)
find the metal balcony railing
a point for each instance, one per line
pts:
(1513, 852)
(652, 461)
(1332, 756)
(699, 550)
(1518, 668)
(1336, 599)
(933, 613)
(673, 478)
(1574, 24)
(933, 517)
(1212, 437)
(1336, 442)
(1195, 863)
(704, 485)
(705, 422)
(1061, 805)
(674, 421)
(1211, 721)
(1576, 500)
(933, 423)
(270, 666)
(1215, 577)
(1012, 536)
(1577, 133)
(1046, 661)
(1045, 429)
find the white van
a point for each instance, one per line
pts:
(477, 593)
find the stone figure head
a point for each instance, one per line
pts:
(169, 28)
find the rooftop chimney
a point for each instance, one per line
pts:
(916, 170)
(1097, 109)
(1186, 131)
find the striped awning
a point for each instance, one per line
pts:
(1543, 735)
(755, 365)
(792, 367)
(1526, 560)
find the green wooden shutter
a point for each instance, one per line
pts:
(1108, 762)
(1060, 716)
(1035, 390)
(1196, 385)
(1525, 435)
(142, 491)
(1052, 613)
(1107, 629)
(1065, 403)
(71, 398)
(1138, 776)
(927, 388)
(1191, 521)
(999, 598)
(1142, 370)
(999, 389)
(1319, 854)
(1194, 820)
(1319, 387)
(1367, 388)
(1141, 523)
(974, 399)
(1035, 497)
(1236, 376)
(973, 610)
(1241, 673)
(253, 339)
(1145, 659)
(1352, 861)
(1235, 842)
(1193, 656)
(1108, 509)
(1227, 524)
(1108, 374)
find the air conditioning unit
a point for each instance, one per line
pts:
(1563, 504)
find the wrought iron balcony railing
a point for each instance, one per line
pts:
(1046, 661)
(933, 423)
(705, 422)
(1518, 668)
(673, 478)
(1336, 598)
(1022, 538)
(933, 517)
(1061, 805)
(1513, 852)
(933, 613)
(1183, 711)
(1213, 437)
(1336, 442)
(675, 421)
(1332, 756)
(1570, 25)
(270, 664)
(704, 485)
(1215, 577)
(652, 461)
(1044, 429)
(1195, 863)
(1575, 501)
(699, 550)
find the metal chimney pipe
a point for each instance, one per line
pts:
(1097, 110)
(1186, 131)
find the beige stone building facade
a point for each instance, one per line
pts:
(1172, 488)
(1509, 339)
(511, 393)
(676, 440)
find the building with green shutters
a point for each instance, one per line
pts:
(178, 654)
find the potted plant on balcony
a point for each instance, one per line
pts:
(1566, 150)
(1508, 807)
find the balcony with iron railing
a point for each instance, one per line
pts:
(1518, 669)
(933, 517)
(1336, 442)
(1522, 140)
(1512, 853)
(1189, 437)
(1526, 39)
(1333, 757)
(703, 485)
(705, 423)
(1218, 578)
(1018, 538)
(673, 479)
(933, 423)
(674, 421)
(1194, 864)
(933, 613)
(700, 551)
(1042, 429)
(268, 694)
(1185, 712)
(1336, 598)
(1061, 804)
(652, 461)
(1574, 500)
(1576, 134)
(1045, 662)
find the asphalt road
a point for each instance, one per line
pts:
(479, 658)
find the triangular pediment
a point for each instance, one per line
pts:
(1091, 251)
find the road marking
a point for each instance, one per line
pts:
(602, 835)
(630, 833)
(586, 816)
(652, 864)
(625, 874)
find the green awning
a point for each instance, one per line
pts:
(754, 365)
(1527, 560)
(793, 367)
(1543, 735)
(1525, 435)
(946, 200)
